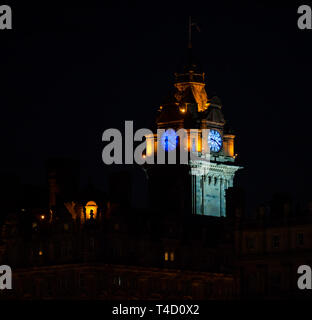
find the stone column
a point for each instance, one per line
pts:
(203, 194)
(194, 191)
(222, 197)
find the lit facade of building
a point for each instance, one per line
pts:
(211, 172)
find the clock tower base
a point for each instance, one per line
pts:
(209, 183)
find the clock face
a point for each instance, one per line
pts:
(169, 140)
(214, 140)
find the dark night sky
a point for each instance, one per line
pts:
(67, 74)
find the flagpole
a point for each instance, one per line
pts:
(190, 32)
(190, 43)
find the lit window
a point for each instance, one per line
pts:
(166, 256)
(91, 210)
(182, 109)
(171, 256)
(117, 280)
(193, 145)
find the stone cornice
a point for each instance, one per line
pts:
(202, 167)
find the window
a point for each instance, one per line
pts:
(276, 241)
(166, 256)
(276, 278)
(208, 289)
(186, 288)
(117, 281)
(50, 287)
(91, 210)
(193, 145)
(57, 250)
(171, 256)
(82, 281)
(92, 244)
(300, 239)
(69, 248)
(250, 243)
(276, 282)
(62, 282)
(133, 283)
(63, 250)
(155, 283)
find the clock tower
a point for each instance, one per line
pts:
(198, 186)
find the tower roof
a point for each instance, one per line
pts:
(214, 112)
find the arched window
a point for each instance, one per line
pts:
(91, 210)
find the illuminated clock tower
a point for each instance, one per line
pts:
(198, 187)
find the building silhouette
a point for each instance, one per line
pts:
(194, 241)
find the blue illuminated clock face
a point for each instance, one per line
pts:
(214, 140)
(169, 140)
